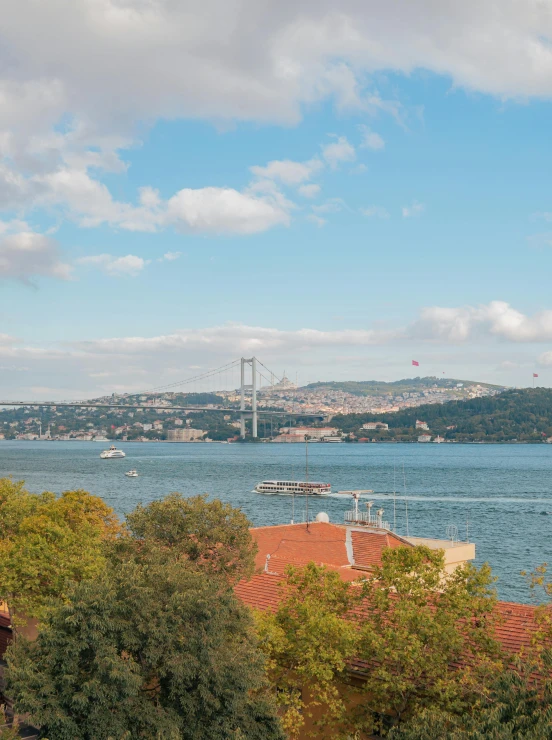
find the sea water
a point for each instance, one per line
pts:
(498, 496)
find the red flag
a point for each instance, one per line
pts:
(416, 363)
(535, 375)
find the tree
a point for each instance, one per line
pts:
(212, 535)
(308, 641)
(48, 542)
(149, 650)
(418, 624)
(517, 707)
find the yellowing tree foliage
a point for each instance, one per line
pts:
(48, 542)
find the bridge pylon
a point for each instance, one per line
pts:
(244, 413)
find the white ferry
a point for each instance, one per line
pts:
(132, 474)
(111, 452)
(291, 486)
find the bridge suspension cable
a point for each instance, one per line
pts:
(193, 379)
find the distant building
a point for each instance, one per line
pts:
(298, 434)
(185, 435)
(375, 425)
(284, 385)
(421, 425)
(424, 438)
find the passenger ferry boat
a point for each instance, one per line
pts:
(111, 452)
(301, 488)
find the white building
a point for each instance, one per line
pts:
(424, 438)
(422, 425)
(375, 425)
(298, 434)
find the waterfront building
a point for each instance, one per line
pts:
(376, 425)
(185, 435)
(298, 434)
(424, 438)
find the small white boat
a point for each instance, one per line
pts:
(293, 487)
(111, 452)
(131, 474)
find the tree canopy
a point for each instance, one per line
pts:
(408, 636)
(157, 645)
(520, 414)
(516, 707)
(419, 623)
(212, 535)
(47, 542)
(308, 641)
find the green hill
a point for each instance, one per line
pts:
(523, 415)
(406, 385)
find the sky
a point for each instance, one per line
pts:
(335, 188)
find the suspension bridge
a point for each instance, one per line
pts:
(251, 373)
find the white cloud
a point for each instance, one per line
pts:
(370, 140)
(172, 256)
(332, 205)
(288, 171)
(545, 359)
(375, 212)
(496, 319)
(224, 210)
(27, 254)
(317, 220)
(416, 209)
(235, 338)
(218, 61)
(309, 191)
(338, 151)
(129, 266)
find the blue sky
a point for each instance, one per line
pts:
(336, 192)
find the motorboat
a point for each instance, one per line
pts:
(301, 488)
(112, 452)
(131, 474)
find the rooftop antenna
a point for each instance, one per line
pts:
(369, 505)
(405, 500)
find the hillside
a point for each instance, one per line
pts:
(515, 415)
(393, 388)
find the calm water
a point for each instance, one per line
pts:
(501, 492)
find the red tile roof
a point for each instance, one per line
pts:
(321, 543)
(368, 546)
(513, 630)
(326, 544)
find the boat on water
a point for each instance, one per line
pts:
(111, 453)
(132, 474)
(301, 488)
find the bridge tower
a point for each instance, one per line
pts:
(252, 361)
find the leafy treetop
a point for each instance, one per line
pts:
(47, 542)
(210, 534)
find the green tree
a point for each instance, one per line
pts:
(48, 542)
(150, 650)
(517, 707)
(308, 641)
(212, 535)
(418, 623)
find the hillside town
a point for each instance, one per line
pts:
(157, 420)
